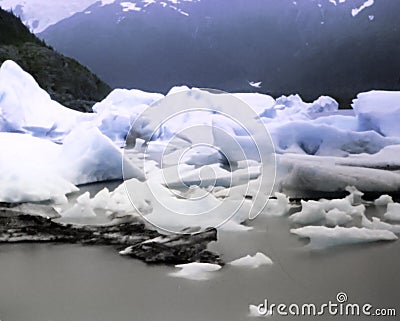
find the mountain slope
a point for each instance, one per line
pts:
(63, 78)
(307, 47)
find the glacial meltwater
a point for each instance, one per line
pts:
(50, 282)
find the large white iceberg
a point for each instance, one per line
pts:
(319, 149)
(34, 169)
(378, 111)
(29, 170)
(26, 108)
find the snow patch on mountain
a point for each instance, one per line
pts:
(141, 5)
(38, 15)
(365, 5)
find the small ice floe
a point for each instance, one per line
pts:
(252, 261)
(196, 271)
(255, 84)
(279, 206)
(311, 212)
(393, 212)
(383, 200)
(323, 237)
(82, 208)
(343, 205)
(332, 212)
(377, 224)
(254, 312)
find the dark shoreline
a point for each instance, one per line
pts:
(33, 223)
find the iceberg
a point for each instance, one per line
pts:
(34, 169)
(383, 200)
(278, 206)
(323, 237)
(89, 156)
(50, 149)
(300, 174)
(393, 212)
(378, 111)
(311, 212)
(336, 217)
(196, 271)
(26, 108)
(254, 261)
(377, 224)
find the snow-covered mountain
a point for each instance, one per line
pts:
(38, 15)
(311, 47)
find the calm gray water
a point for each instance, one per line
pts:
(46, 282)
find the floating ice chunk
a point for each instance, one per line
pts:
(101, 199)
(355, 196)
(279, 206)
(82, 208)
(118, 201)
(293, 108)
(336, 217)
(335, 211)
(252, 261)
(385, 159)
(383, 200)
(343, 205)
(378, 111)
(300, 173)
(323, 237)
(315, 138)
(311, 212)
(377, 224)
(196, 271)
(393, 212)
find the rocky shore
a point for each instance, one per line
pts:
(35, 223)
